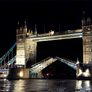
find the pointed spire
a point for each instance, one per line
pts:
(35, 32)
(88, 20)
(25, 24)
(18, 25)
(83, 19)
(77, 61)
(31, 32)
(18, 22)
(25, 27)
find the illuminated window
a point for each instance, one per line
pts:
(89, 50)
(88, 28)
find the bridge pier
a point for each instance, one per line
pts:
(37, 76)
(84, 72)
(18, 73)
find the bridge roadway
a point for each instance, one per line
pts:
(56, 36)
(36, 68)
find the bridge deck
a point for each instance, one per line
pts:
(40, 38)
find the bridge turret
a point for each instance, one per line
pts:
(20, 46)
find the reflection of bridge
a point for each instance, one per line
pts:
(26, 49)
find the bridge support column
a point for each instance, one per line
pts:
(38, 76)
(31, 50)
(84, 72)
(18, 73)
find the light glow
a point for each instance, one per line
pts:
(86, 73)
(21, 74)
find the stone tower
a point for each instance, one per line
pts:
(87, 40)
(20, 47)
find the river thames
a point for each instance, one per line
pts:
(45, 85)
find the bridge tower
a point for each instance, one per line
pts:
(87, 41)
(20, 49)
(31, 48)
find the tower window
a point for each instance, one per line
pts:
(89, 50)
(88, 28)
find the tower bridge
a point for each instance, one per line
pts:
(26, 50)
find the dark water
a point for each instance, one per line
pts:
(45, 85)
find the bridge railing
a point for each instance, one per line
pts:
(39, 62)
(56, 33)
(9, 62)
(7, 53)
(43, 65)
(4, 60)
(33, 67)
(66, 59)
(71, 64)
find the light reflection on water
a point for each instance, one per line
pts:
(45, 85)
(83, 86)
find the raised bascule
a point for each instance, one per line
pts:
(26, 50)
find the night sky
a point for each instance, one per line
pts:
(49, 13)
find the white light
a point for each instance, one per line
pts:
(80, 36)
(86, 62)
(86, 73)
(5, 75)
(9, 64)
(87, 70)
(21, 74)
(80, 72)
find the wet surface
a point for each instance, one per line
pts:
(45, 85)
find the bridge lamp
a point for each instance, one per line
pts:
(77, 62)
(86, 62)
(80, 36)
(21, 74)
(9, 64)
(52, 32)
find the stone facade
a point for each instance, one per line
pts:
(87, 42)
(31, 50)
